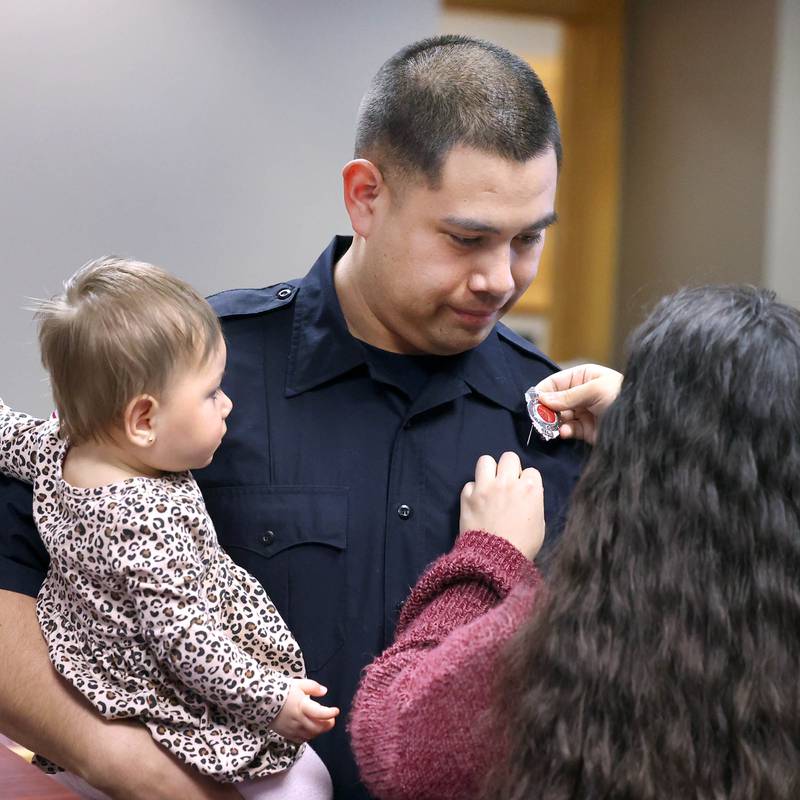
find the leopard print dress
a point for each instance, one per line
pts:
(148, 618)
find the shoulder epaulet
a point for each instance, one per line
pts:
(244, 302)
(504, 332)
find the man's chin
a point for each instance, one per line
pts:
(460, 341)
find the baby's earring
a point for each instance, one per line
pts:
(151, 439)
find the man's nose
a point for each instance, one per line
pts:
(493, 275)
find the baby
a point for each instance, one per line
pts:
(141, 609)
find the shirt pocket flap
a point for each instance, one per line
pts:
(268, 520)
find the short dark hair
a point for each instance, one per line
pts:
(449, 90)
(663, 662)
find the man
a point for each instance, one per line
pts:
(364, 395)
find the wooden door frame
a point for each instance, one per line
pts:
(583, 311)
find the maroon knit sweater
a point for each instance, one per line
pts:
(420, 723)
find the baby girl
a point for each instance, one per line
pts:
(141, 609)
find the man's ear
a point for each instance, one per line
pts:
(364, 188)
(138, 424)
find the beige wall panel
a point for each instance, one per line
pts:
(697, 129)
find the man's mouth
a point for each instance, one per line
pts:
(478, 316)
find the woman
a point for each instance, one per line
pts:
(662, 660)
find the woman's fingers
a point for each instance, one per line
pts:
(532, 476)
(509, 466)
(485, 470)
(582, 396)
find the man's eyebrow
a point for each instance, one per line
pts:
(467, 224)
(475, 225)
(544, 222)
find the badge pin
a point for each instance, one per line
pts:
(543, 419)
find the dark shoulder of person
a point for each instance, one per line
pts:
(233, 303)
(23, 557)
(522, 352)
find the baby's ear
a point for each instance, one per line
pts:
(139, 423)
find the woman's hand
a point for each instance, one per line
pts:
(505, 500)
(582, 395)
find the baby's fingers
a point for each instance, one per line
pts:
(316, 727)
(316, 711)
(311, 688)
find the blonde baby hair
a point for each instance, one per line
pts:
(121, 328)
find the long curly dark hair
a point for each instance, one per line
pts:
(665, 661)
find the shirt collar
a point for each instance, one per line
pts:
(322, 348)
(487, 371)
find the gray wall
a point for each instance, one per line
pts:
(782, 257)
(203, 135)
(697, 137)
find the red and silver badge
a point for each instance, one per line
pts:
(544, 419)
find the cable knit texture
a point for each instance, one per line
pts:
(420, 723)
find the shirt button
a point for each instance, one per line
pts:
(404, 511)
(268, 538)
(282, 294)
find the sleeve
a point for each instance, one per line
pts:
(19, 439)
(420, 725)
(179, 629)
(23, 557)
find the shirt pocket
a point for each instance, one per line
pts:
(293, 540)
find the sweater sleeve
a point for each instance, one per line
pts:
(420, 724)
(19, 439)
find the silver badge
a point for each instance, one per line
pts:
(544, 419)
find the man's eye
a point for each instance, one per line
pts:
(530, 239)
(466, 241)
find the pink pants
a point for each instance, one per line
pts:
(306, 779)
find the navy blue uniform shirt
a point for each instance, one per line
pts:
(339, 478)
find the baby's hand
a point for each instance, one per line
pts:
(302, 718)
(507, 501)
(582, 395)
